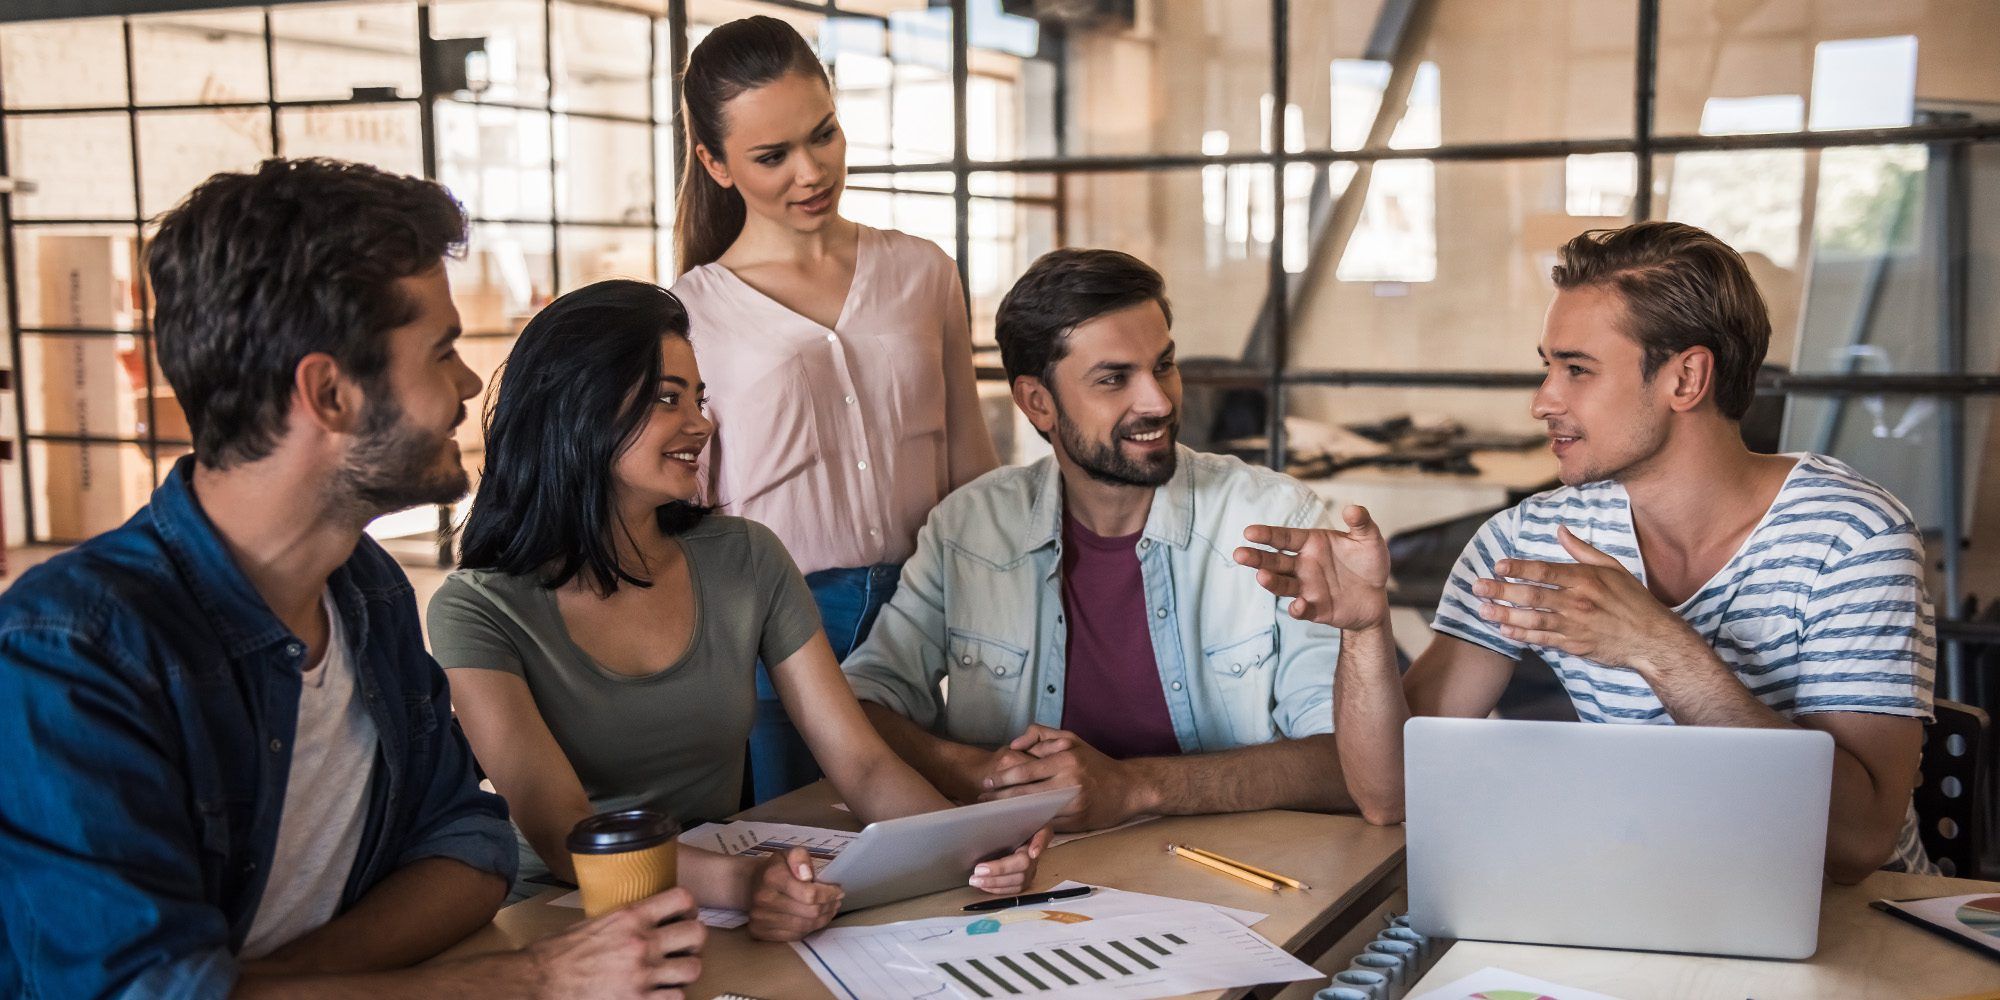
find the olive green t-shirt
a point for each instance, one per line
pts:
(673, 740)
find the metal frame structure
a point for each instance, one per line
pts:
(1273, 376)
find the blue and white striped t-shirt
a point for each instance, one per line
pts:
(1821, 610)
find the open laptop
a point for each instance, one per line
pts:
(1657, 838)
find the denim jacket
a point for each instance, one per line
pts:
(148, 699)
(980, 608)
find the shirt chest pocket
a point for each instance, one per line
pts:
(1240, 675)
(1748, 644)
(985, 679)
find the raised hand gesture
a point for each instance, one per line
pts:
(1337, 578)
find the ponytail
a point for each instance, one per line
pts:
(736, 57)
(707, 216)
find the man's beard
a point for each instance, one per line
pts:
(396, 465)
(1105, 461)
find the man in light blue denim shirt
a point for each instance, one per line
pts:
(1081, 621)
(233, 767)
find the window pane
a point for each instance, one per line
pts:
(606, 171)
(496, 160)
(1436, 265)
(329, 52)
(1197, 79)
(1416, 456)
(601, 60)
(199, 58)
(1897, 442)
(81, 166)
(512, 68)
(892, 84)
(930, 216)
(180, 149)
(40, 68)
(1844, 245)
(594, 253)
(76, 276)
(1825, 64)
(1476, 71)
(389, 136)
(503, 279)
(1209, 235)
(85, 490)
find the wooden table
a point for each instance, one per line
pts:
(1863, 953)
(1351, 866)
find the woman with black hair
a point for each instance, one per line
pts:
(840, 354)
(602, 632)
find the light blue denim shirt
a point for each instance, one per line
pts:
(980, 609)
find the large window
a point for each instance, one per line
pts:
(1355, 202)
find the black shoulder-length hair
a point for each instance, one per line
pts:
(570, 397)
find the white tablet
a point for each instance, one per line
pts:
(913, 855)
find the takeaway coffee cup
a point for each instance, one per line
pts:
(623, 857)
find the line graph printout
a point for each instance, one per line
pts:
(1135, 957)
(874, 963)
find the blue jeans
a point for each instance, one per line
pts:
(848, 601)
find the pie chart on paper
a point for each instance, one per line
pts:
(1982, 915)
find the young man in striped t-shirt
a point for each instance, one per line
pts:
(1676, 577)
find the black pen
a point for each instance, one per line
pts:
(1028, 900)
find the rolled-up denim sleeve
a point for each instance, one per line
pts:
(455, 819)
(1302, 690)
(100, 845)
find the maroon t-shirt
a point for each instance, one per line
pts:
(1114, 702)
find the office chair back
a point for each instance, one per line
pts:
(1951, 817)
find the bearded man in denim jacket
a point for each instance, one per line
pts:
(1084, 613)
(234, 769)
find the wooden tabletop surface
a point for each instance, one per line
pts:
(1350, 865)
(1863, 953)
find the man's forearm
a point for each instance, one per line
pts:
(1286, 774)
(1698, 689)
(953, 768)
(1369, 711)
(414, 913)
(507, 976)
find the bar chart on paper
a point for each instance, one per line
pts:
(1144, 955)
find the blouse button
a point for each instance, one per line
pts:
(830, 338)
(277, 745)
(862, 465)
(850, 400)
(1237, 669)
(1177, 685)
(999, 671)
(1162, 613)
(966, 659)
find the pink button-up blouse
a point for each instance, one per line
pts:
(841, 440)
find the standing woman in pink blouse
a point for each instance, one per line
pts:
(838, 357)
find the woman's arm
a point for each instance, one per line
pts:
(968, 442)
(522, 759)
(873, 780)
(529, 769)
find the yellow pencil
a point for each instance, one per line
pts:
(1247, 866)
(1222, 866)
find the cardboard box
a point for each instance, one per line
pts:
(86, 281)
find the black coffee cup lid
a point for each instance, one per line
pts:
(616, 832)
